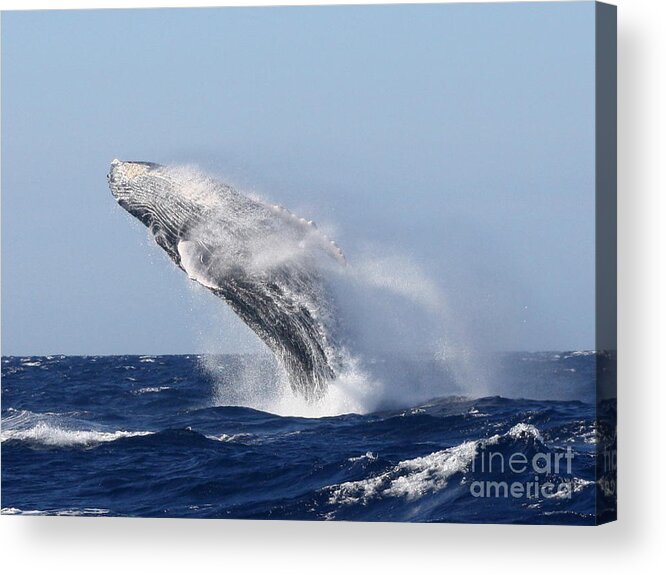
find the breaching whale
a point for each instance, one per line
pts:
(261, 259)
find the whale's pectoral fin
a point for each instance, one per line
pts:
(196, 260)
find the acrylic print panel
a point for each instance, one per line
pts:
(330, 263)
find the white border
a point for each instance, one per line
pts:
(84, 545)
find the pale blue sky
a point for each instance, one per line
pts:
(459, 135)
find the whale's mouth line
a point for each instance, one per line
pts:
(209, 230)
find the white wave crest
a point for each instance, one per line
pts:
(46, 434)
(58, 430)
(414, 478)
(411, 478)
(525, 431)
(225, 438)
(143, 390)
(574, 486)
(62, 512)
(369, 456)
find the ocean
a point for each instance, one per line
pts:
(146, 436)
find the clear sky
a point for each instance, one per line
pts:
(459, 135)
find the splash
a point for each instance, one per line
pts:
(259, 382)
(400, 345)
(370, 334)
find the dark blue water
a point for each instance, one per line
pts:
(140, 436)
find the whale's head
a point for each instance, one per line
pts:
(133, 186)
(152, 195)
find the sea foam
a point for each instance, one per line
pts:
(58, 430)
(414, 478)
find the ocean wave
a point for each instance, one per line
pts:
(411, 478)
(414, 478)
(522, 431)
(402, 462)
(54, 436)
(143, 390)
(224, 438)
(94, 511)
(369, 456)
(581, 353)
(576, 484)
(586, 432)
(57, 430)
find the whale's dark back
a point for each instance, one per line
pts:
(300, 341)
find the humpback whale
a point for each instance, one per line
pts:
(265, 262)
